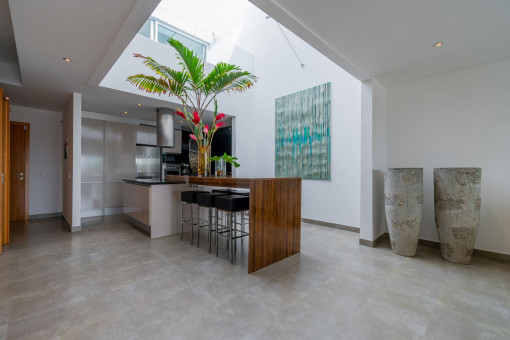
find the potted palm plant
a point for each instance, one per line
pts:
(196, 90)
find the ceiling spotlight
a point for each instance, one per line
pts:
(67, 60)
(438, 44)
(125, 112)
(139, 104)
(7, 98)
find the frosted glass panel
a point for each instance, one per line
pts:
(92, 150)
(120, 141)
(92, 198)
(113, 195)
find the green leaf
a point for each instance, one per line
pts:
(149, 84)
(190, 62)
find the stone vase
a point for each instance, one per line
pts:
(457, 211)
(403, 198)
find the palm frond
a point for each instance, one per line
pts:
(161, 70)
(177, 81)
(190, 62)
(220, 70)
(238, 81)
(149, 84)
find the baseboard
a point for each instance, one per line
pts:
(139, 225)
(70, 228)
(374, 243)
(435, 245)
(331, 225)
(42, 216)
(91, 220)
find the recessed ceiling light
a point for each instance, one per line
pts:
(7, 98)
(139, 104)
(438, 44)
(125, 112)
(67, 60)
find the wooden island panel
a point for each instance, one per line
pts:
(275, 221)
(275, 215)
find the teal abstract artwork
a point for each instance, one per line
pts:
(302, 136)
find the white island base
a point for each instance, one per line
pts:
(156, 209)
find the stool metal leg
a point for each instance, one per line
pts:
(198, 226)
(230, 235)
(182, 220)
(217, 229)
(210, 229)
(242, 226)
(192, 223)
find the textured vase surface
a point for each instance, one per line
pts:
(403, 199)
(457, 211)
(193, 157)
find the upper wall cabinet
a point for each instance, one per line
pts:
(146, 135)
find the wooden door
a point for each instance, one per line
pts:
(20, 146)
(4, 169)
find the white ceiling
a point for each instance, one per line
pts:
(393, 40)
(389, 40)
(92, 33)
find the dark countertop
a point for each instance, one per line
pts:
(148, 182)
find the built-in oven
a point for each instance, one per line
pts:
(173, 169)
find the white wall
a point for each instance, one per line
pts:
(335, 201)
(460, 119)
(373, 159)
(71, 173)
(46, 150)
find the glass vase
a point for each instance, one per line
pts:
(220, 168)
(204, 164)
(193, 157)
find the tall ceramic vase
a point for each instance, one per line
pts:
(403, 197)
(457, 208)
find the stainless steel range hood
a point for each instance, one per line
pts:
(165, 127)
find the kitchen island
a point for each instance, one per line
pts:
(153, 205)
(275, 214)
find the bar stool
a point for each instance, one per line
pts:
(189, 197)
(231, 205)
(207, 200)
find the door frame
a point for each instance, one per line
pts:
(27, 164)
(5, 129)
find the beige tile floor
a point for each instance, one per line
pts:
(110, 281)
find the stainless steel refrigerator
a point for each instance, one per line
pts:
(148, 162)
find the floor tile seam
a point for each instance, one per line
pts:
(49, 274)
(48, 289)
(478, 317)
(136, 283)
(474, 319)
(98, 264)
(58, 308)
(58, 262)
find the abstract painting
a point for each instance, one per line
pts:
(303, 143)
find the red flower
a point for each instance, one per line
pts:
(206, 129)
(192, 137)
(220, 124)
(196, 118)
(220, 116)
(180, 113)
